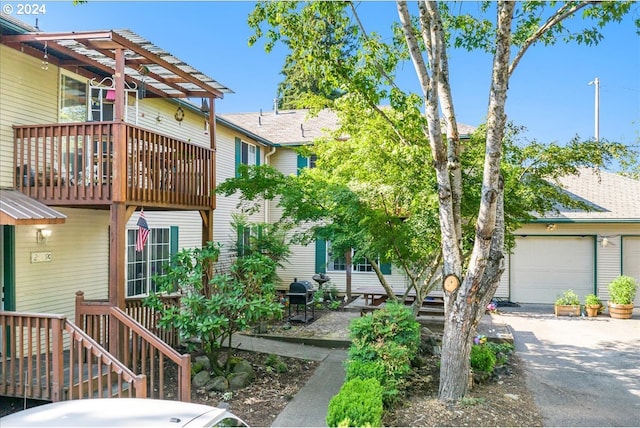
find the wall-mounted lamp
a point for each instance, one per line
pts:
(42, 235)
(551, 227)
(158, 118)
(605, 242)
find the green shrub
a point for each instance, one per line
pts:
(275, 363)
(568, 298)
(383, 345)
(482, 358)
(501, 351)
(394, 323)
(622, 290)
(359, 403)
(375, 370)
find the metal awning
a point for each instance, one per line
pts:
(18, 209)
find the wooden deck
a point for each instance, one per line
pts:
(84, 164)
(374, 297)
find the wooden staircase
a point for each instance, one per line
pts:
(106, 353)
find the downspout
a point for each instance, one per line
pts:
(266, 202)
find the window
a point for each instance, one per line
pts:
(73, 100)
(338, 262)
(142, 266)
(246, 154)
(244, 239)
(306, 162)
(362, 265)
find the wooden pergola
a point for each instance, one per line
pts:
(131, 61)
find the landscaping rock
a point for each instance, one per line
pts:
(239, 380)
(203, 361)
(200, 379)
(244, 367)
(218, 384)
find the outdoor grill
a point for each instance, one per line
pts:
(301, 293)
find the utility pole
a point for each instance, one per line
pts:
(596, 82)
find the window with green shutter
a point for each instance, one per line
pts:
(246, 154)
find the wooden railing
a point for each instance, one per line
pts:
(47, 357)
(138, 348)
(148, 317)
(76, 164)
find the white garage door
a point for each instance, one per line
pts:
(631, 259)
(542, 268)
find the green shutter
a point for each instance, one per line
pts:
(303, 162)
(385, 268)
(238, 155)
(257, 156)
(9, 267)
(321, 256)
(173, 240)
(240, 241)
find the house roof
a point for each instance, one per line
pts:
(613, 197)
(293, 127)
(286, 127)
(92, 54)
(17, 208)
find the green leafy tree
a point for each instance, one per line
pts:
(215, 305)
(507, 30)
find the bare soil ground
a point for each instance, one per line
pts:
(503, 400)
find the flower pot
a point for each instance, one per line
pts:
(620, 311)
(592, 310)
(570, 310)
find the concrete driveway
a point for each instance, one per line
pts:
(581, 371)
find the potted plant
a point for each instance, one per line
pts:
(622, 291)
(592, 304)
(567, 304)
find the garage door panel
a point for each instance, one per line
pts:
(631, 259)
(542, 268)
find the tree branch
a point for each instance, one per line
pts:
(565, 11)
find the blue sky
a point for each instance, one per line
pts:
(549, 92)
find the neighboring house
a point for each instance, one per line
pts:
(576, 249)
(95, 127)
(283, 132)
(573, 249)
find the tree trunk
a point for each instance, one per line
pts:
(463, 307)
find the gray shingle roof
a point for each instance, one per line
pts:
(287, 127)
(294, 127)
(613, 197)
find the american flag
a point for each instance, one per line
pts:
(143, 232)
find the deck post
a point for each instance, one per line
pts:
(57, 360)
(185, 378)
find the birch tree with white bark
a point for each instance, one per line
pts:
(363, 66)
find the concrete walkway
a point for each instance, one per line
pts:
(581, 371)
(309, 406)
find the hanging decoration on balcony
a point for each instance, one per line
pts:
(142, 91)
(179, 116)
(45, 57)
(204, 108)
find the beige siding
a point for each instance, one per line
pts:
(28, 94)
(77, 263)
(503, 287)
(226, 206)
(189, 225)
(191, 129)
